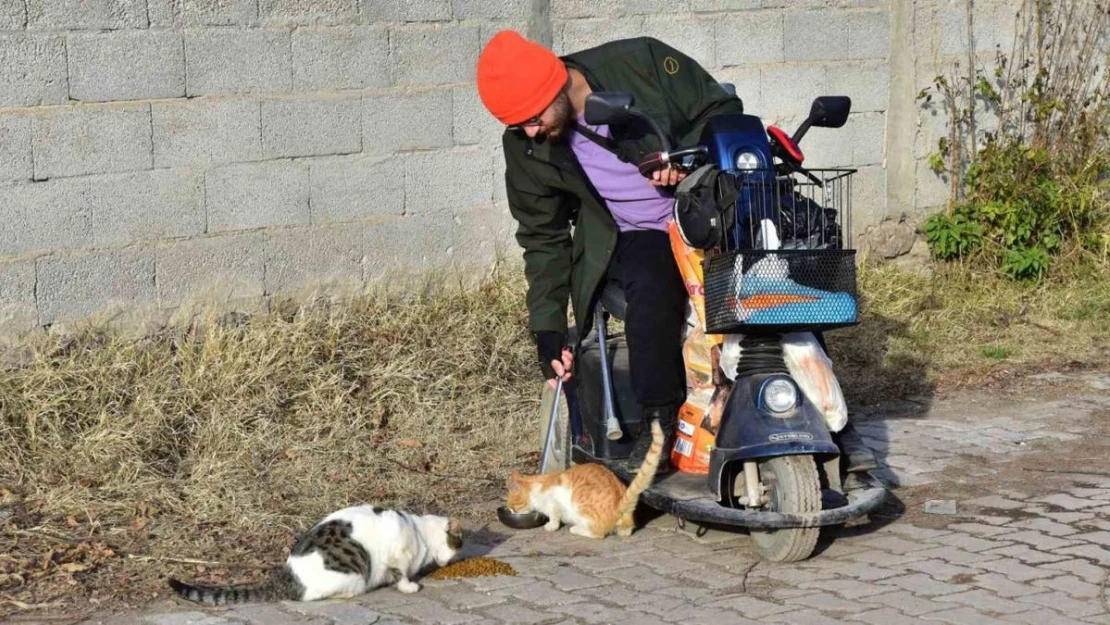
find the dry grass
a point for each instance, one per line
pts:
(218, 442)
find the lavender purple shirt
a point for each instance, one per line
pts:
(634, 202)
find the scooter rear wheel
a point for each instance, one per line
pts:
(792, 486)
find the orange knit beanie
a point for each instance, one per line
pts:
(517, 78)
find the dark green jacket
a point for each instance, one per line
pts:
(547, 190)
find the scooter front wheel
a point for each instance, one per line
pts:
(792, 486)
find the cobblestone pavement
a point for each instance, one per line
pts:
(1029, 543)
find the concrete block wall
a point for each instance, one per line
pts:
(155, 153)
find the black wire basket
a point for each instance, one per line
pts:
(784, 267)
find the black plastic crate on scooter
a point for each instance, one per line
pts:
(809, 282)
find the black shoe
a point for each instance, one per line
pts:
(856, 456)
(668, 420)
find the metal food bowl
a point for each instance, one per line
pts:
(520, 520)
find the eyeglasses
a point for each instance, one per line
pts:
(532, 121)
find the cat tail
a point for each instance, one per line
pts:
(645, 474)
(281, 587)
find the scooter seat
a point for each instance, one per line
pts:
(612, 299)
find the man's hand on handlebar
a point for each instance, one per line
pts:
(666, 177)
(562, 369)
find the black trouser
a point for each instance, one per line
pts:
(644, 267)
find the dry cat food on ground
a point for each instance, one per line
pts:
(473, 567)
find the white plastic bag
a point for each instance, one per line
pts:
(812, 370)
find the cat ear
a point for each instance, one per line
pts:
(454, 526)
(513, 479)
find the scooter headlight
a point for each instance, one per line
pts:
(747, 161)
(780, 395)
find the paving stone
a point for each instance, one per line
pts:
(1047, 526)
(882, 558)
(888, 616)
(273, 615)
(1063, 500)
(870, 572)
(1025, 554)
(1000, 585)
(749, 606)
(963, 616)
(541, 594)
(985, 601)
(1061, 602)
(941, 570)
(638, 578)
(1081, 568)
(906, 602)
(981, 529)
(1070, 585)
(995, 502)
(1040, 540)
(1045, 616)
(805, 617)
(916, 533)
(847, 588)
(566, 578)
(925, 586)
(827, 602)
(518, 614)
(1069, 517)
(1102, 538)
(900, 546)
(1093, 552)
(970, 543)
(955, 555)
(1015, 570)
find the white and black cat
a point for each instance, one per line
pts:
(348, 553)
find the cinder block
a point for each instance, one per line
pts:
(300, 12)
(18, 312)
(869, 34)
(575, 9)
(238, 61)
(746, 81)
(178, 13)
(86, 14)
(473, 122)
(788, 91)
(79, 140)
(406, 246)
(13, 15)
(867, 132)
(498, 176)
(341, 57)
(932, 126)
(868, 198)
(439, 183)
(258, 195)
(409, 11)
(201, 132)
(492, 9)
(228, 268)
(750, 38)
(690, 35)
(145, 205)
(867, 85)
(33, 70)
(48, 215)
(483, 234)
(489, 28)
(357, 187)
(994, 26)
(411, 121)
(710, 6)
(816, 35)
(15, 147)
(324, 260)
(303, 127)
(931, 190)
(582, 34)
(434, 54)
(143, 65)
(652, 7)
(74, 287)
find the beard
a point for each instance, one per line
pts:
(561, 120)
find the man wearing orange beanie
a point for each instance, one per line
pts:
(560, 171)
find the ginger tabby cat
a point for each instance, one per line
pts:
(587, 497)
